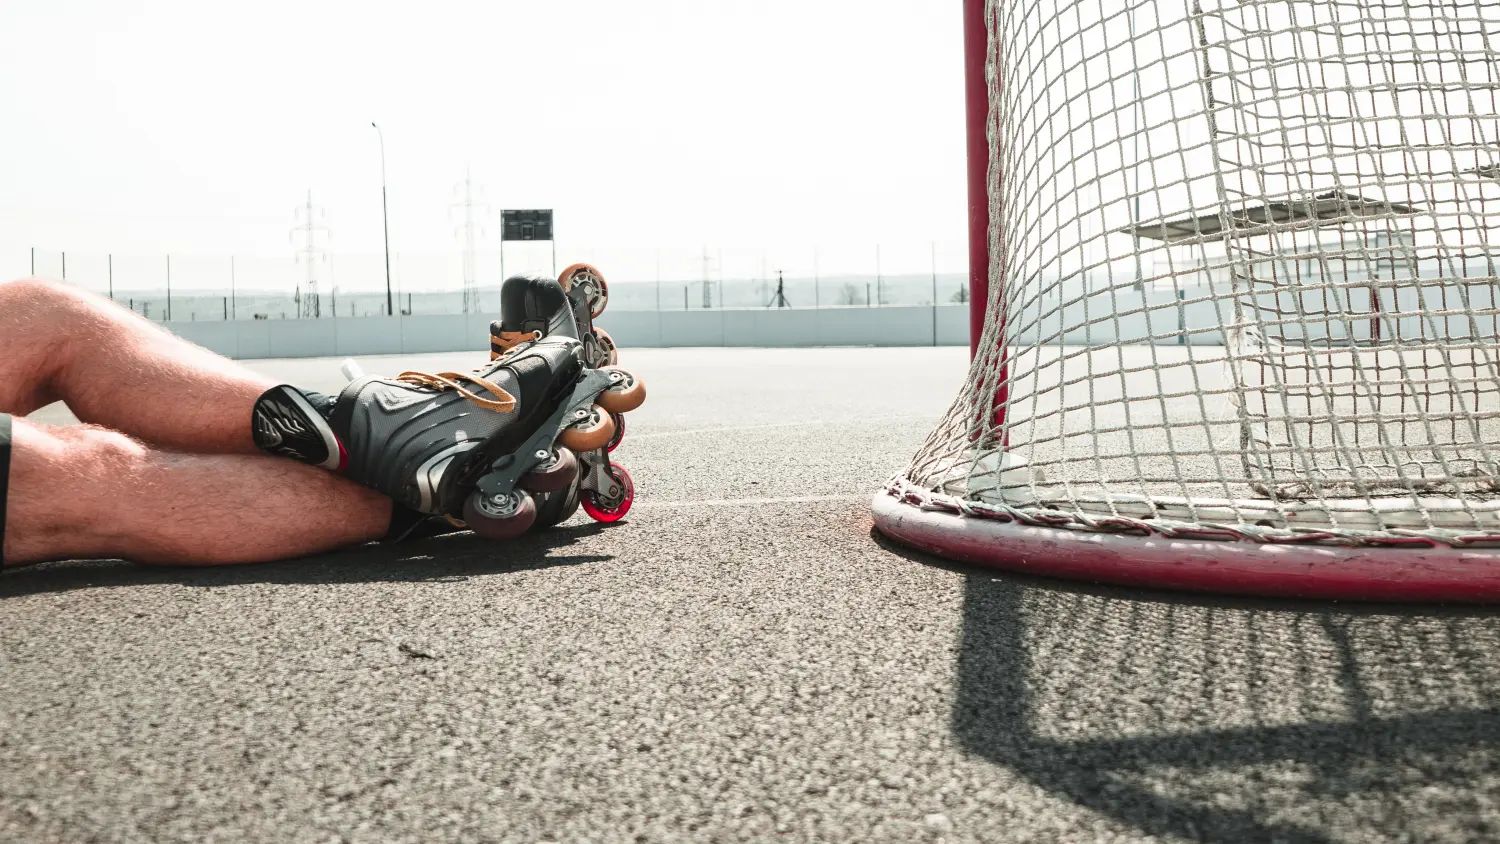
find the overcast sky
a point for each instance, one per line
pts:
(196, 127)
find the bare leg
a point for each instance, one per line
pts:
(115, 369)
(85, 492)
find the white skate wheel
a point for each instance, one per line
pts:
(351, 369)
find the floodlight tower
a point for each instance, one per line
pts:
(385, 216)
(468, 231)
(310, 252)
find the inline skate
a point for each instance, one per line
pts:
(475, 447)
(535, 306)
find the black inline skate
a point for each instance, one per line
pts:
(474, 446)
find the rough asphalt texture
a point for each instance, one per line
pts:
(740, 660)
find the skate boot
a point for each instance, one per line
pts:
(533, 306)
(474, 446)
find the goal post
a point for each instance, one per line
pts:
(976, 137)
(1237, 293)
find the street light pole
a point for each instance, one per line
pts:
(385, 213)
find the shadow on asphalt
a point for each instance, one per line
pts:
(1233, 719)
(454, 556)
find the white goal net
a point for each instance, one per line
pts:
(1243, 273)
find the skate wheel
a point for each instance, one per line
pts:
(595, 355)
(499, 516)
(557, 469)
(587, 275)
(554, 508)
(609, 352)
(624, 393)
(614, 442)
(592, 429)
(614, 508)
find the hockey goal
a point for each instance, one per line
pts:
(1237, 280)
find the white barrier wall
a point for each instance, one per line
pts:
(1099, 318)
(946, 325)
(296, 338)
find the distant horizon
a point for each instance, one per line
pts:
(495, 283)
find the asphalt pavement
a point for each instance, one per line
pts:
(739, 660)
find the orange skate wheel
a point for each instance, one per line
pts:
(625, 392)
(587, 274)
(557, 469)
(614, 442)
(592, 429)
(607, 347)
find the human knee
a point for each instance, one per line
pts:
(47, 307)
(99, 449)
(37, 323)
(49, 316)
(35, 291)
(74, 495)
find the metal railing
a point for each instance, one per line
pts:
(195, 288)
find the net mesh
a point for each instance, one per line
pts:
(1241, 273)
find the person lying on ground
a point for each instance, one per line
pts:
(182, 454)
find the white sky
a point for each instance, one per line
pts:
(196, 127)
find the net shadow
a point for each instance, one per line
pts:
(1223, 719)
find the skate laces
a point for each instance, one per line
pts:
(505, 402)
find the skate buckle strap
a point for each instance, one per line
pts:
(504, 403)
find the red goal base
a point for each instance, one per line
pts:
(1437, 574)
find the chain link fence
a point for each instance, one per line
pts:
(197, 288)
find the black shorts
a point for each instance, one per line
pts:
(4, 476)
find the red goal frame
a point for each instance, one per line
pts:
(1414, 570)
